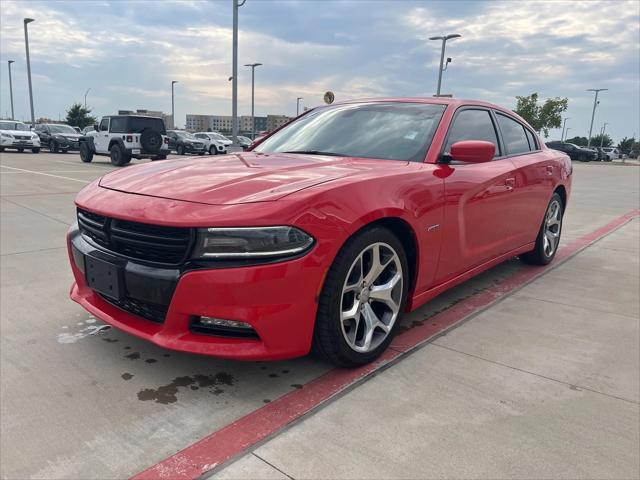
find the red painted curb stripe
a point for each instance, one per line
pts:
(235, 438)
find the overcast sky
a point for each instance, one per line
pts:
(128, 52)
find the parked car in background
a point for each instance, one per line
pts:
(77, 129)
(184, 142)
(602, 155)
(17, 136)
(212, 142)
(58, 137)
(123, 137)
(574, 151)
(245, 142)
(323, 235)
(88, 129)
(612, 153)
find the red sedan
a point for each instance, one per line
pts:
(323, 234)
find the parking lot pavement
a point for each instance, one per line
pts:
(545, 381)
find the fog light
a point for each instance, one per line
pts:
(219, 322)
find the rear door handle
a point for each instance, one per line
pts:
(510, 183)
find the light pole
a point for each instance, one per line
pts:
(234, 75)
(13, 115)
(566, 132)
(593, 113)
(602, 133)
(298, 105)
(440, 70)
(173, 111)
(253, 84)
(564, 123)
(26, 44)
(85, 97)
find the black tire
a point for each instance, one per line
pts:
(119, 156)
(36, 150)
(53, 146)
(180, 150)
(213, 150)
(86, 153)
(150, 141)
(158, 157)
(201, 153)
(21, 150)
(1, 149)
(538, 256)
(328, 339)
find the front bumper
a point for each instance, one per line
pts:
(278, 300)
(19, 143)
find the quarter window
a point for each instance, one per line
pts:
(515, 140)
(533, 145)
(472, 125)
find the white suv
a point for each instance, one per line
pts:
(123, 137)
(16, 135)
(612, 153)
(215, 143)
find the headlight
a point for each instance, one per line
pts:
(251, 242)
(6, 135)
(34, 136)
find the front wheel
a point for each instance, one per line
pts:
(213, 150)
(362, 299)
(35, 150)
(53, 146)
(86, 154)
(20, 150)
(180, 150)
(549, 234)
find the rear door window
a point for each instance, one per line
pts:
(472, 124)
(515, 140)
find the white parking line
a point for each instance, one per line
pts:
(46, 174)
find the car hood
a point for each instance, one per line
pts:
(69, 136)
(236, 178)
(17, 132)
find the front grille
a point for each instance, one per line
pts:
(198, 145)
(150, 311)
(138, 241)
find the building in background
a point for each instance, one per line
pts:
(223, 123)
(168, 119)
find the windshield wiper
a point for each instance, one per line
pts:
(317, 152)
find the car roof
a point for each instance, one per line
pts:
(448, 101)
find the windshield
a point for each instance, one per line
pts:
(217, 136)
(61, 129)
(186, 135)
(4, 125)
(388, 131)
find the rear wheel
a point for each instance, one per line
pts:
(36, 150)
(21, 150)
(53, 146)
(86, 153)
(362, 299)
(180, 150)
(118, 155)
(549, 235)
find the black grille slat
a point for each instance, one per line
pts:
(150, 311)
(138, 241)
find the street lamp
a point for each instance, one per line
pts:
(602, 133)
(85, 97)
(593, 113)
(234, 75)
(564, 122)
(173, 112)
(298, 105)
(13, 115)
(253, 121)
(441, 69)
(26, 44)
(566, 132)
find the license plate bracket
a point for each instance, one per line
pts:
(104, 277)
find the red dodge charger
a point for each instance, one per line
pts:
(321, 235)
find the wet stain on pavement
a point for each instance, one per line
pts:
(167, 394)
(133, 356)
(266, 400)
(126, 376)
(110, 340)
(296, 385)
(273, 375)
(151, 360)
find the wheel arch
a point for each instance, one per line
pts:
(89, 141)
(116, 140)
(562, 191)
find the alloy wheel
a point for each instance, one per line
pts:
(371, 297)
(552, 226)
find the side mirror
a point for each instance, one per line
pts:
(473, 151)
(96, 127)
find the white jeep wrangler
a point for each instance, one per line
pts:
(123, 137)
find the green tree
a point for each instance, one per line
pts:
(626, 144)
(580, 141)
(78, 116)
(607, 141)
(542, 117)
